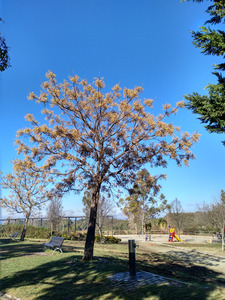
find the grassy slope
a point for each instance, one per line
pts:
(29, 273)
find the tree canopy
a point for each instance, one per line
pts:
(28, 190)
(214, 213)
(98, 141)
(142, 202)
(55, 212)
(4, 53)
(211, 107)
(176, 214)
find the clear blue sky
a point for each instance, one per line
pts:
(143, 43)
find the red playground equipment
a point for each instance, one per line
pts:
(172, 235)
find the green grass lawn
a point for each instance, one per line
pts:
(29, 273)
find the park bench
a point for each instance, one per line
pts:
(14, 236)
(55, 243)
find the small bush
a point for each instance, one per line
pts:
(97, 238)
(112, 239)
(107, 239)
(56, 233)
(78, 236)
(66, 236)
(74, 236)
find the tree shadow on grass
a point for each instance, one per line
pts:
(196, 257)
(12, 249)
(69, 278)
(181, 268)
(73, 279)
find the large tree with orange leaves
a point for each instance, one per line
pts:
(99, 141)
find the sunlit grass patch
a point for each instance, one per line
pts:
(28, 275)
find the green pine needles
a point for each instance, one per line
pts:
(211, 107)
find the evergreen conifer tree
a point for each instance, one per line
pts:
(4, 55)
(211, 107)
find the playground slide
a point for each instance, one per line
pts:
(177, 238)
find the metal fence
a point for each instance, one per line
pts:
(65, 223)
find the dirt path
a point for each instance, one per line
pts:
(198, 257)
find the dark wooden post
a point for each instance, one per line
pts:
(132, 262)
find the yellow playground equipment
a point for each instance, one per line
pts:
(172, 235)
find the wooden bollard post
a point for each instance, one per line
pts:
(132, 262)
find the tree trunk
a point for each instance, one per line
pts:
(22, 237)
(90, 239)
(136, 229)
(142, 221)
(222, 233)
(100, 227)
